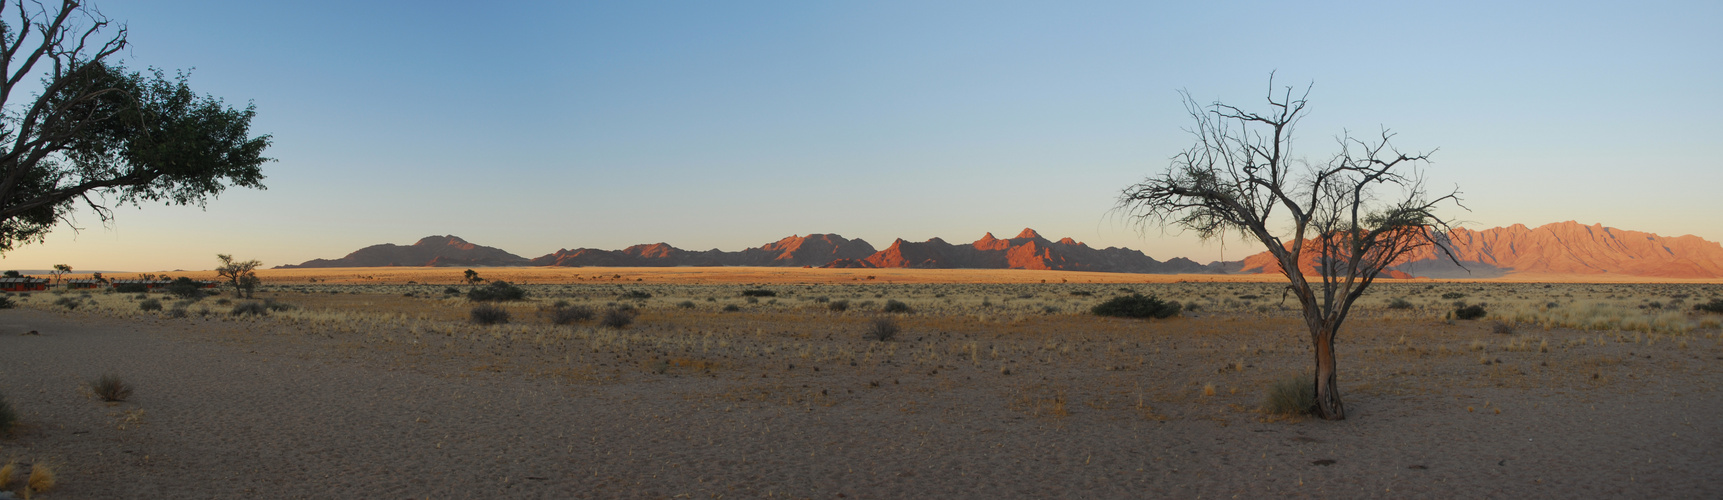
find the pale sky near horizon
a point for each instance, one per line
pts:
(534, 126)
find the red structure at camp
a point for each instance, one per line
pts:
(23, 284)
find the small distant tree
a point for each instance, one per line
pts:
(472, 278)
(1350, 216)
(242, 274)
(13, 274)
(59, 271)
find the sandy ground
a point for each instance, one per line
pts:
(249, 409)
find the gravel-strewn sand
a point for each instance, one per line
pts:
(251, 409)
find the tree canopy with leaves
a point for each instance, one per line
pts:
(96, 133)
(1351, 215)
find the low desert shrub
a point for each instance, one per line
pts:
(451, 291)
(150, 305)
(1502, 327)
(759, 293)
(617, 318)
(882, 329)
(635, 295)
(1453, 295)
(7, 303)
(893, 306)
(185, 288)
(730, 308)
(1715, 306)
(1474, 311)
(249, 308)
(1082, 293)
(178, 312)
(1399, 304)
(109, 387)
(497, 291)
(571, 314)
(686, 304)
(7, 418)
(132, 288)
(1137, 305)
(272, 305)
(67, 302)
(1293, 395)
(487, 314)
(839, 306)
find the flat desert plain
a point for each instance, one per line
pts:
(378, 383)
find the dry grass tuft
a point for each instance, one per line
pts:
(1208, 389)
(7, 471)
(41, 478)
(109, 387)
(882, 329)
(1293, 395)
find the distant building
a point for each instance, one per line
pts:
(23, 284)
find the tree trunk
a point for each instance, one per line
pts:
(1328, 405)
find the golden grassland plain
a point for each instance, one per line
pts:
(1017, 342)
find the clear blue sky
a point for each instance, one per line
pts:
(533, 126)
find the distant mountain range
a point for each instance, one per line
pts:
(1026, 251)
(1559, 248)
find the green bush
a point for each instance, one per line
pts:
(759, 293)
(1474, 311)
(1715, 306)
(497, 291)
(132, 288)
(1294, 395)
(150, 305)
(486, 314)
(893, 306)
(1137, 305)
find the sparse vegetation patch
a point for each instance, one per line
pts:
(1137, 305)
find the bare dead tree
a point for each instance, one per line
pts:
(1350, 217)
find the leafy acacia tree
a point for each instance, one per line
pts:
(1346, 219)
(60, 270)
(241, 274)
(94, 128)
